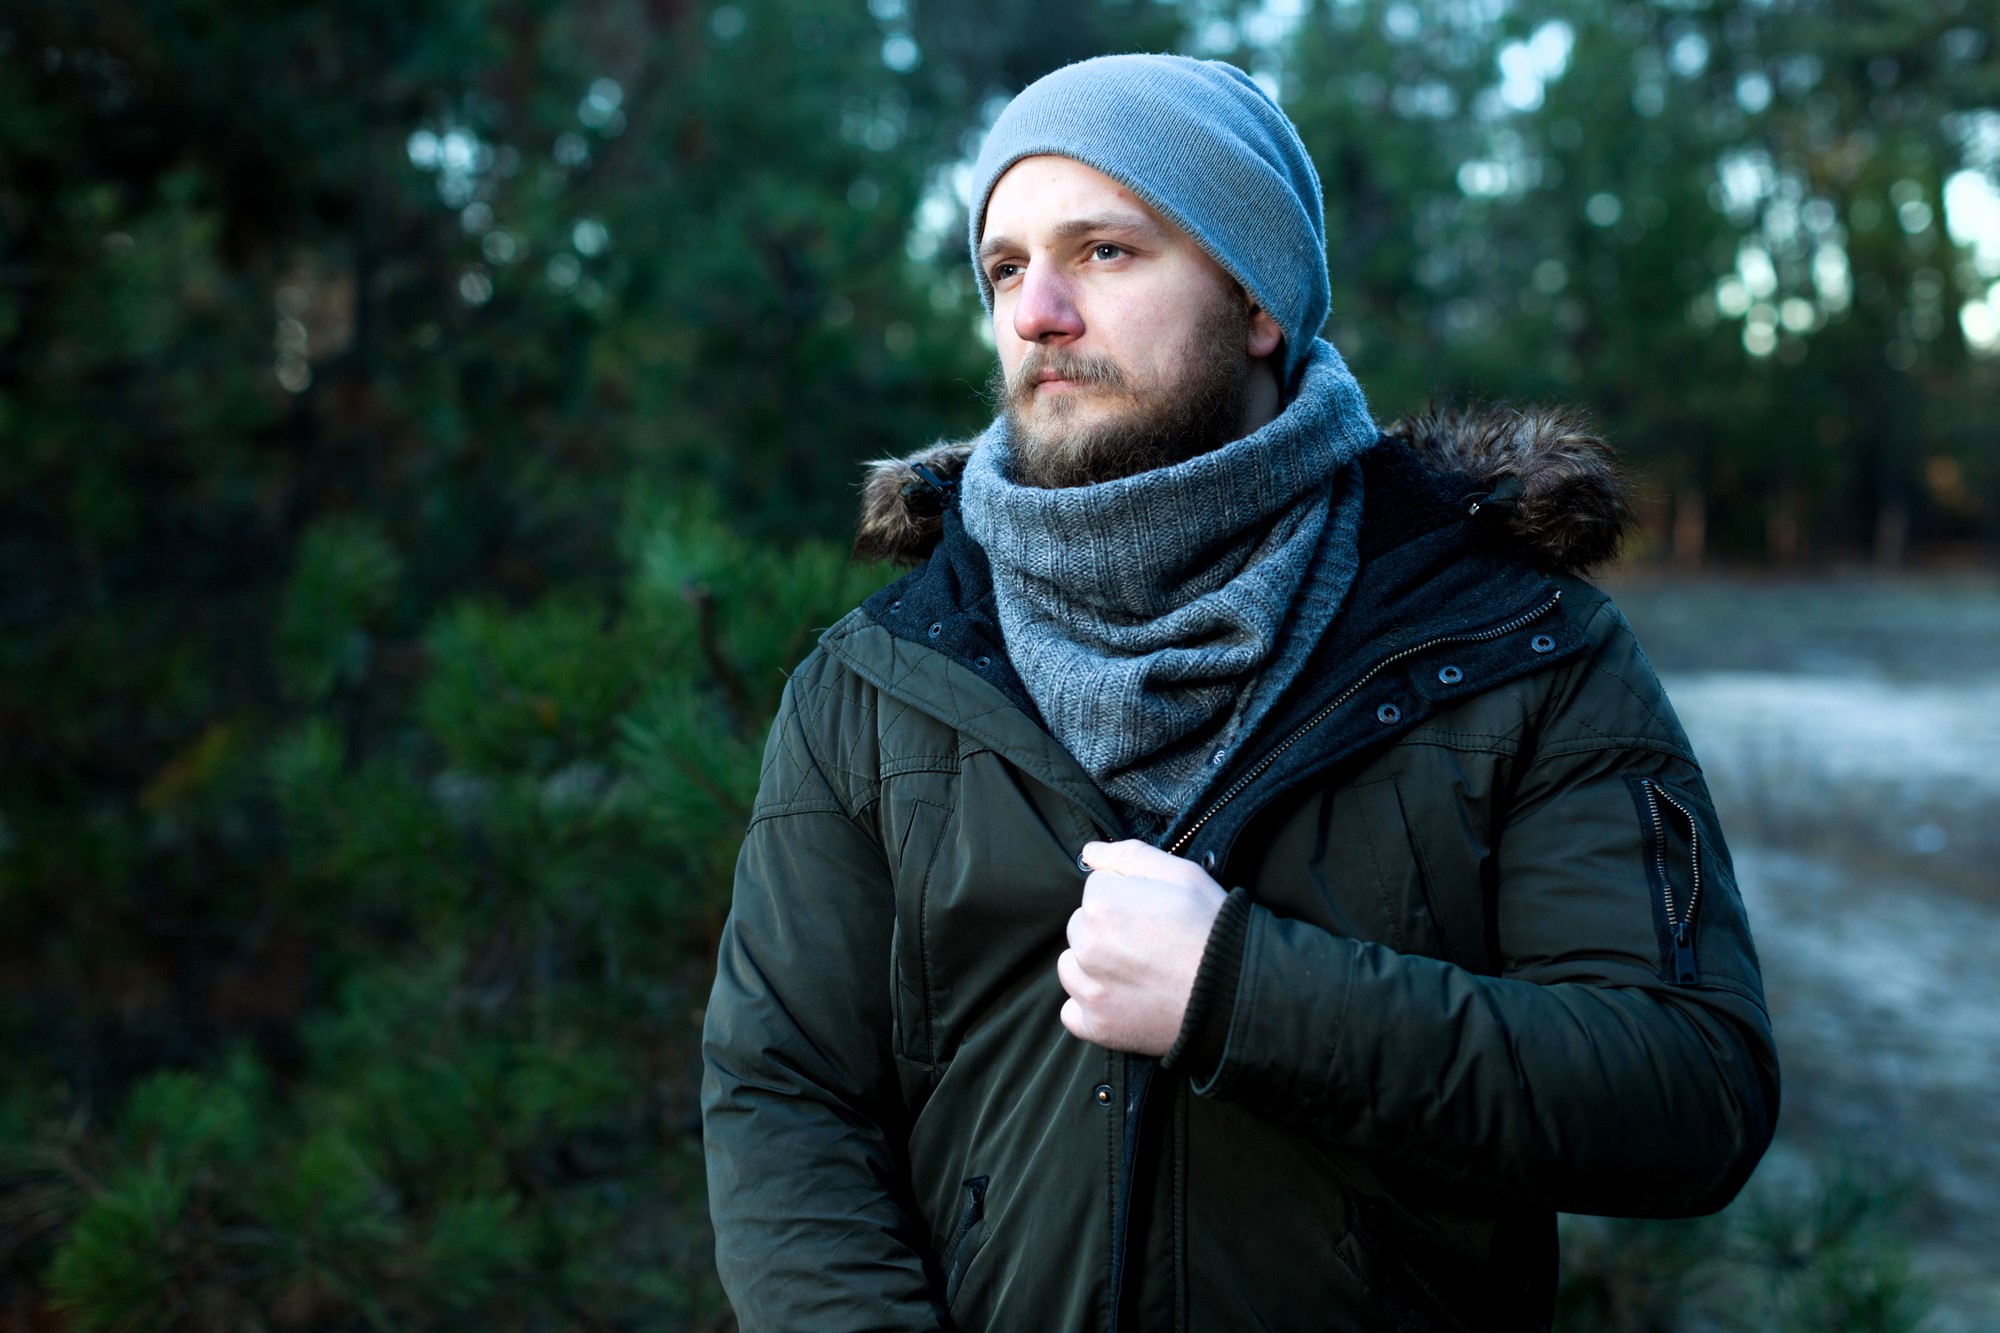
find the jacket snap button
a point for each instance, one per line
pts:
(1388, 714)
(1542, 643)
(896, 605)
(1209, 862)
(1080, 865)
(983, 662)
(1451, 675)
(1103, 1094)
(937, 629)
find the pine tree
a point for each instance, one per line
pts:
(377, 716)
(512, 902)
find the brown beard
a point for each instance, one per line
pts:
(1162, 425)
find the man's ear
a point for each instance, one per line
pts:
(1264, 335)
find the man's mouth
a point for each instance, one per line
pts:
(1055, 377)
(1060, 377)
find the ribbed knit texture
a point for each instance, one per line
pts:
(1205, 147)
(1156, 618)
(1204, 1036)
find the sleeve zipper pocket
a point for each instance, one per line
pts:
(1678, 946)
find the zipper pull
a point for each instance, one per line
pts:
(931, 481)
(1684, 967)
(1503, 500)
(925, 493)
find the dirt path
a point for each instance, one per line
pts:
(1850, 729)
(1883, 999)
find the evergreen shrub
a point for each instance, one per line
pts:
(511, 891)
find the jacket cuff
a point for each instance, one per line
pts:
(1204, 1033)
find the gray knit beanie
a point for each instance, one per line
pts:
(1206, 148)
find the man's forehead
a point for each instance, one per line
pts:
(1050, 190)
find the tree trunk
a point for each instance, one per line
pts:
(1892, 534)
(1690, 526)
(1781, 528)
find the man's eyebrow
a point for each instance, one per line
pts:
(1128, 224)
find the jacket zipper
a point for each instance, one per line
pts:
(1258, 769)
(1680, 929)
(1136, 1096)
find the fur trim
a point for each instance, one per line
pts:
(1573, 511)
(1574, 508)
(901, 515)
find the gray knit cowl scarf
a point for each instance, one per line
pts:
(1156, 619)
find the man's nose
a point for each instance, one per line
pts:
(1045, 310)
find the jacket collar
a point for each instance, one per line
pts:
(1434, 578)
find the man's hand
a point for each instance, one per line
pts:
(1135, 945)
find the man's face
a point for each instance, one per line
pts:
(1123, 345)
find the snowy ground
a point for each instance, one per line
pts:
(1851, 734)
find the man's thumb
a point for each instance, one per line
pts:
(1130, 857)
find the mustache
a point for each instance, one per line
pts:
(1082, 367)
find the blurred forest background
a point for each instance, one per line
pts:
(428, 430)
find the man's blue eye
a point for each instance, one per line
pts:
(1103, 246)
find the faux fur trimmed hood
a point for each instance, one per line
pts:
(1544, 472)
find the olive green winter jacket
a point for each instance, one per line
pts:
(1483, 959)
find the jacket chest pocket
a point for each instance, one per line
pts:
(1373, 878)
(984, 871)
(918, 850)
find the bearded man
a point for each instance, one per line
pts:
(1242, 877)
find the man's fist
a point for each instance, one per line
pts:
(1135, 945)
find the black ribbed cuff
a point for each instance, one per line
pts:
(1204, 1034)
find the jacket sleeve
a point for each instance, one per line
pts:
(1602, 1070)
(813, 1224)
